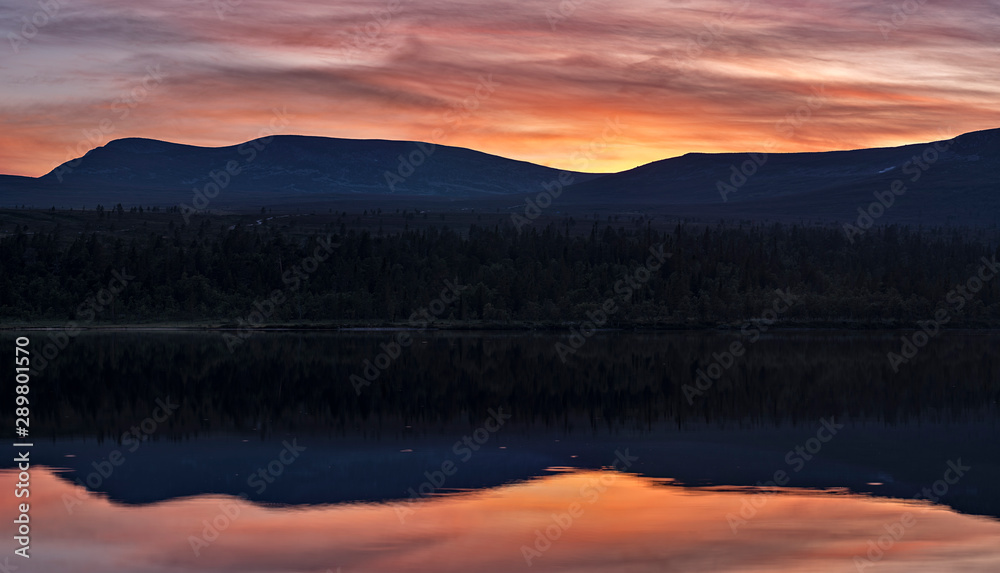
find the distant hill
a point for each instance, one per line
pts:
(149, 172)
(948, 182)
(957, 185)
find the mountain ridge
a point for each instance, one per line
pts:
(950, 180)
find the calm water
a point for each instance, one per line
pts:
(159, 452)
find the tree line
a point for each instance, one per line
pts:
(540, 274)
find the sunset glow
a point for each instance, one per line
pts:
(620, 518)
(707, 76)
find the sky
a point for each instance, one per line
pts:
(590, 85)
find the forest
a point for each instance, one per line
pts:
(337, 272)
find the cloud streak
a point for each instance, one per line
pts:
(705, 76)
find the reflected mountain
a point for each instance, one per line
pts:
(235, 413)
(584, 521)
(863, 458)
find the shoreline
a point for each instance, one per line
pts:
(362, 326)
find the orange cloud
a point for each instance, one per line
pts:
(708, 76)
(619, 521)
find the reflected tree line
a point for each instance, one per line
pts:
(102, 384)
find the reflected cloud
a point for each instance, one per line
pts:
(636, 523)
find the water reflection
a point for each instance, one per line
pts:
(563, 521)
(344, 502)
(104, 383)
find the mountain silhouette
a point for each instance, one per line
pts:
(950, 181)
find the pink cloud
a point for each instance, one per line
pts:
(709, 76)
(621, 521)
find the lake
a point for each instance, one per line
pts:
(387, 450)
